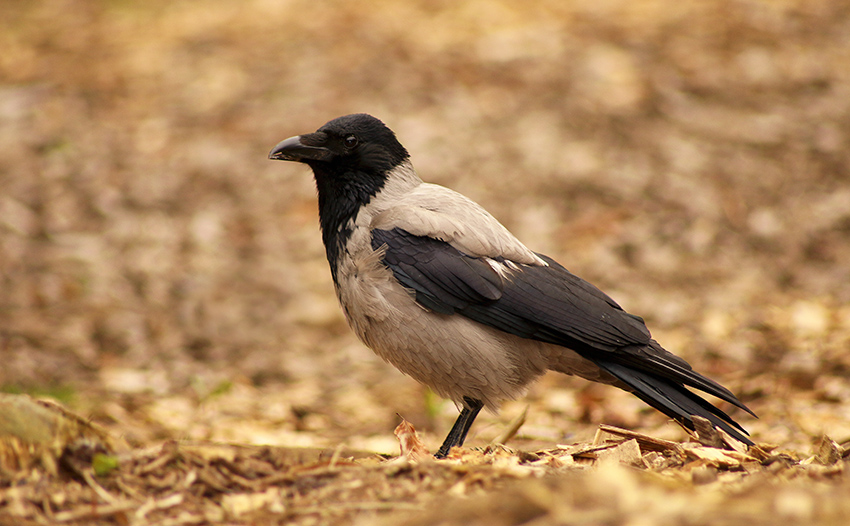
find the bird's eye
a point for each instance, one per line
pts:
(351, 141)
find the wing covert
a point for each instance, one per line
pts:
(546, 303)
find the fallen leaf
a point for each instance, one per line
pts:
(411, 446)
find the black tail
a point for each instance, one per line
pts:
(673, 399)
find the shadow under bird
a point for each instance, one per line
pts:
(437, 287)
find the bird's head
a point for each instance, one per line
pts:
(354, 145)
(353, 158)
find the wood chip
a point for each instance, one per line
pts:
(717, 457)
(827, 451)
(646, 442)
(627, 453)
(707, 434)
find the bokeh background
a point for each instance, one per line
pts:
(157, 272)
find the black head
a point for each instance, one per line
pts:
(354, 143)
(351, 158)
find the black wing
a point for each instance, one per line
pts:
(549, 304)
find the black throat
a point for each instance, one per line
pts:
(341, 196)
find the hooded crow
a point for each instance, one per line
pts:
(437, 287)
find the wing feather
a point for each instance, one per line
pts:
(549, 304)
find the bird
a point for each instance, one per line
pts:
(440, 289)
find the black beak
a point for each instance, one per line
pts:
(293, 149)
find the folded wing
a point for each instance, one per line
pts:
(549, 304)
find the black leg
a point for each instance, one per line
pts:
(457, 435)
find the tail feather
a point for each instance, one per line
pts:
(675, 400)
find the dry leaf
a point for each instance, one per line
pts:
(411, 446)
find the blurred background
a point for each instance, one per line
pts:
(157, 272)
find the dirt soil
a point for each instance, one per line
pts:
(163, 280)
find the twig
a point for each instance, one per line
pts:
(335, 457)
(48, 509)
(183, 518)
(351, 506)
(168, 452)
(129, 491)
(101, 492)
(159, 504)
(86, 511)
(512, 429)
(597, 437)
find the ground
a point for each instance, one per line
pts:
(164, 280)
